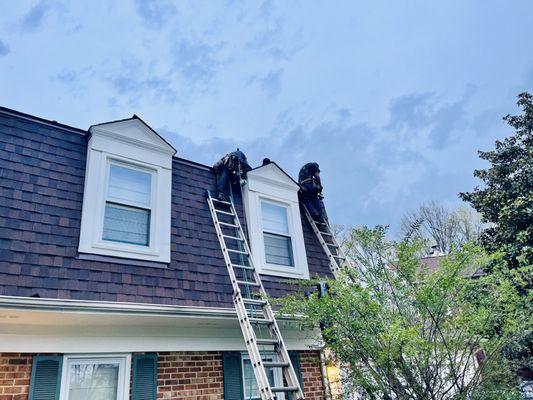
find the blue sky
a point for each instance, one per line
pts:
(391, 98)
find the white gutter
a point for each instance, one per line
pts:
(109, 307)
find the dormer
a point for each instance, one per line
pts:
(274, 222)
(127, 194)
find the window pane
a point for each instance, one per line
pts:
(129, 186)
(249, 382)
(126, 224)
(93, 381)
(278, 249)
(274, 218)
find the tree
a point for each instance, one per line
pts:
(442, 227)
(401, 332)
(506, 200)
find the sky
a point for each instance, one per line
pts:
(392, 98)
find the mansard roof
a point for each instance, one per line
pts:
(41, 194)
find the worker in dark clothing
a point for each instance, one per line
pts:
(311, 191)
(230, 169)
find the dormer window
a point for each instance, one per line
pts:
(127, 194)
(128, 205)
(274, 223)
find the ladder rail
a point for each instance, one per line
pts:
(244, 319)
(334, 266)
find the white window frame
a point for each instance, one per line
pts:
(129, 144)
(290, 234)
(153, 208)
(124, 361)
(278, 375)
(270, 184)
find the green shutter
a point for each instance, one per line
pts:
(295, 360)
(232, 364)
(45, 377)
(144, 385)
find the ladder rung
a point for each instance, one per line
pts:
(233, 238)
(237, 251)
(339, 257)
(248, 283)
(267, 342)
(221, 201)
(224, 212)
(332, 245)
(260, 321)
(284, 389)
(228, 224)
(254, 302)
(275, 364)
(325, 233)
(242, 266)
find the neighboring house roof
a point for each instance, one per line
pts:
(41, 194)
(432, 264)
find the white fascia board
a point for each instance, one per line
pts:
(72, 326)
(123, 340)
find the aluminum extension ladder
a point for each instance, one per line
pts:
(337, 258)
(256, 318)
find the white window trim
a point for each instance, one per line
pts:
(124, 361)
(279, 192)
(278, 375)
(106, 147)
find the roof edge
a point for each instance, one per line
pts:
(44, 121)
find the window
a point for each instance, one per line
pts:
(127, 194)
(127, 207)
(251, 391)
(276, 235)
(90, 377)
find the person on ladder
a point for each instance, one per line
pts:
(230, 169)
(311, 191)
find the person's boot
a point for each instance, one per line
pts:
(223, 197)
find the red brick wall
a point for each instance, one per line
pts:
(199, 376)
(15, 371)
(185, 375)
(181, 375)
(312, 375)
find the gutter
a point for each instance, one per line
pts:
(120, 308)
